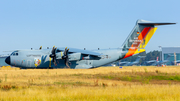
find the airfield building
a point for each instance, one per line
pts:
(175, 55)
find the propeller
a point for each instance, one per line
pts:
(65, 57)
(53, 54)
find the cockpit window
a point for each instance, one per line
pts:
(14, 54)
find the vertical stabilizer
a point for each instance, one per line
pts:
(139, 37)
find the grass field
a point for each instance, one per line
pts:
(104, 84)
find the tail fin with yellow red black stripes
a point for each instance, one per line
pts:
(139, 37)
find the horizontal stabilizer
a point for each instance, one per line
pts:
(155, 24)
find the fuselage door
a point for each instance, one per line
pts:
(28, 63)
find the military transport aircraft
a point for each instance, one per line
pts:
(84, 59)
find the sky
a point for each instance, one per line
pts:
(90, 24)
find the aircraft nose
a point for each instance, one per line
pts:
(7, 60)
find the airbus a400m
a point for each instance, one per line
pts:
(84, 59)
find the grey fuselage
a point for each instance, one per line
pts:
(28, 59)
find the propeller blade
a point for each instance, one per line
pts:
(65, 51)
(53, 50)
(53, 54)
(67, 63)
(54, 60)
(65, 57)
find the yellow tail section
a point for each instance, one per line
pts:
(139, 37)
(141, 41)
(144, 43)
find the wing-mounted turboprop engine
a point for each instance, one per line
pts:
(53, 55)
(75, 57)
(58, 54)
(65, 57)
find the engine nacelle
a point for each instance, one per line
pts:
(74, 57)
(59, 55)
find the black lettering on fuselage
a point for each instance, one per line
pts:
(33, 55)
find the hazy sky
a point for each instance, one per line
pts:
(89, 24)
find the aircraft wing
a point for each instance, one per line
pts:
(84, 52)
